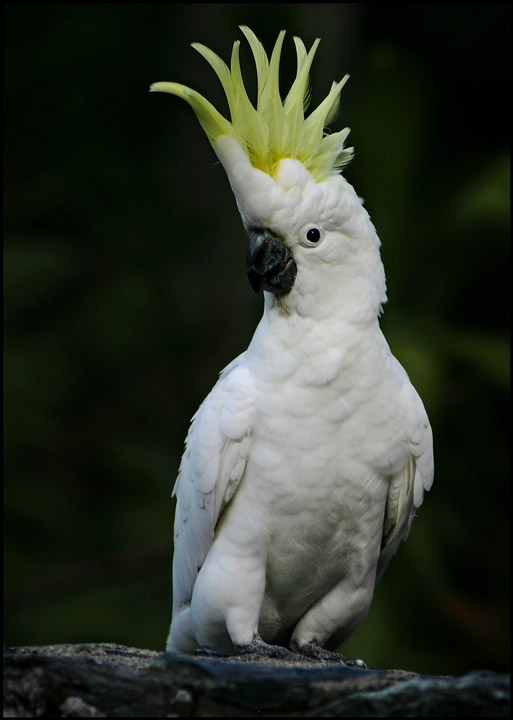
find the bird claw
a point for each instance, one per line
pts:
(260, 649)
(356, 663)
(309, 652)
(316, 652)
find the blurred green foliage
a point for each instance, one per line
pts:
(125, 294)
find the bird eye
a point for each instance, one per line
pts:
(312, 236)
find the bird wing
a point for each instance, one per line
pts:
(406, 488)
(213, 463)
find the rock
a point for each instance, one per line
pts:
(109, 680)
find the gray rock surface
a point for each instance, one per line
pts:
(109, 680)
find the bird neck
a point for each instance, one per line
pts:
(296, 348)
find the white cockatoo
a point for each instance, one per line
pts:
(304, 466)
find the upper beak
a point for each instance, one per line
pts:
(270, 264)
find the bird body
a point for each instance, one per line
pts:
(305, 464)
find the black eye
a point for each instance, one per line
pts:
(313, 235)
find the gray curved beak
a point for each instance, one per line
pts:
(270, 264)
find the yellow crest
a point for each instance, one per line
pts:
(275, 129)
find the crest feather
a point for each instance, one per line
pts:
(275, 129)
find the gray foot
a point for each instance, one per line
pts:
(259, 649)
(316, 652)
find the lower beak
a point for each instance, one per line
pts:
(270, 264)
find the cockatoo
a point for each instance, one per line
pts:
(304, 466)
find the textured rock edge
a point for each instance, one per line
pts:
(110, 680)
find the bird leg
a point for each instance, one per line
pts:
(309, 652)
(316, 652)
(259, 649)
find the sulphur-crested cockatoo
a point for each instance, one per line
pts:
(305, 464)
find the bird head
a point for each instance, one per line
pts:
(312, 245)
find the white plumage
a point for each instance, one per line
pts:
(305, 464)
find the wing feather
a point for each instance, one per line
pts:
(212, 467)
(406, 488)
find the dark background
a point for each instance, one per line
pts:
(125, 294)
